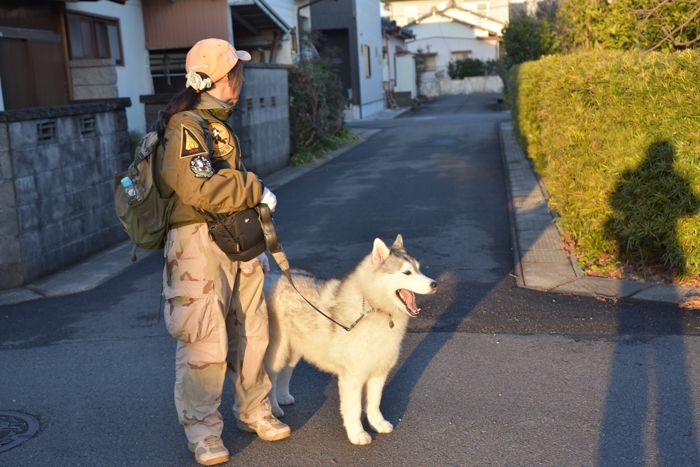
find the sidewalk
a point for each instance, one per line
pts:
(539, 257)
(99, 268)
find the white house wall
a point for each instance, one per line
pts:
(390, 64)
(369, 32)
(498, 9)
(134, 78)
(445, 38)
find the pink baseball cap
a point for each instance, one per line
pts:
(215, 57)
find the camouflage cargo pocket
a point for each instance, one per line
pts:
(190, 314)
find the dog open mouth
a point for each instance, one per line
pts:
(408, 299)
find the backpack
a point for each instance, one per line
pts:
(146, 222)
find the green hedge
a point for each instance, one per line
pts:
(616, 136)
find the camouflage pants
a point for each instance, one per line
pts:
(216, 310)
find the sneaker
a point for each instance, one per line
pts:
(209, 451)
(267, 428)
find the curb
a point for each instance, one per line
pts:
(99, 268)
(539, 257)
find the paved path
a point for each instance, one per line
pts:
(491, 374)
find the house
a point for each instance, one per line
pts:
(352, 33)
(398, 67)
(448, 31)
(73, 51)
(74, 75)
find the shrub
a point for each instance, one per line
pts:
(526, 38)
(316, 102)
(465, 68)
(616, 136)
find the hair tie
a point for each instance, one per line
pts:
(195, 81)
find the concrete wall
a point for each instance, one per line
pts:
(453, 87)
(134, 77)
(94, 79)
(56, 201)
(261, 125)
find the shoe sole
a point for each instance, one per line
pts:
(216, 460)
(246, 429)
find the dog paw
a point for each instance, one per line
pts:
(277, 412)
(360, 438)
(382, 426)
(285, 399)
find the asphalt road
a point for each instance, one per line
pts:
(490, 374)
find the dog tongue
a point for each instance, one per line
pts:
(410, 299)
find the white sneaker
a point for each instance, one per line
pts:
(209, 451)
(267, 428)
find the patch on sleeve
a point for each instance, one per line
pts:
(190, 144)
(201, 166)
(221, 138)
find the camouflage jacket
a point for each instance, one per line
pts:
(196, 179)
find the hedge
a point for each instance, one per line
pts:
(616, 136)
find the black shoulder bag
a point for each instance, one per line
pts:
(238, 234)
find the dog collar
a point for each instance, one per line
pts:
(375, 310)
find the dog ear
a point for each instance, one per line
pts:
(398, 244)
(380, 252)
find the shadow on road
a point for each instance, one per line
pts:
(649, 388)
(649, 401)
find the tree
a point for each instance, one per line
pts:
(527, 38)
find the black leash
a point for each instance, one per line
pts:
(275, 249)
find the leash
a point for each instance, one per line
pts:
(275, 249)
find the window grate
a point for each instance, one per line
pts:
(87, 125)
(46, 131)
(262, 102)
(273, 101)
(249, 104)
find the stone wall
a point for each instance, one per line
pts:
(56, 178)
(261, 118)
(93, 79)
(454, 87)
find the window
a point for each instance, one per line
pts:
(461, 55)
(411, 13)
(430, 63)
(94, 37)
(481, 8)
(368, 60)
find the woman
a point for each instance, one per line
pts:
(215, 307)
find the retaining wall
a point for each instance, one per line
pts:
(56, 175)
(454, 87)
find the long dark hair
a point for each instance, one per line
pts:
(187, 99)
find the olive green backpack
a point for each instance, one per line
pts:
(146, 221)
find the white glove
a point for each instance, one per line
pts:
(264, 263)
(269, 199)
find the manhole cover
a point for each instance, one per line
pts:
(16, 428)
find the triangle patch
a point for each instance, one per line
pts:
(190, 145)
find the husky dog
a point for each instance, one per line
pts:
(381, 288)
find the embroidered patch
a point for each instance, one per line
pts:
(221, 138)
(190, 145)
(201, 166)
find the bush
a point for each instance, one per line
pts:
(526, 38)
(316, 102)
(465, 68)
(616, 136)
